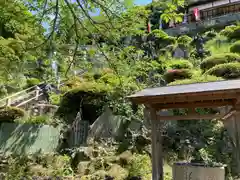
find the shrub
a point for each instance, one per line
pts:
(235, 34)
(32, 82)
(214, 60)
(235, 48)
(140, 166)
(172, 75)
(179, 64)
(206, 78)
(184, 39)
(9, 114)
(210, 34)
(228, 30)
(226, 71)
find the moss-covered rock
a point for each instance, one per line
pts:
(118, 172)
(172, 75)
(217, 59)
(9, 114)
(226, 71)
(179, 64)
(235, 48)
(125, 158)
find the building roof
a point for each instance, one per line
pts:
(200, 91)
(192, 3)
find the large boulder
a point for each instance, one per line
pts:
(117, 172)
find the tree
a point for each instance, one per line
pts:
(20, 40)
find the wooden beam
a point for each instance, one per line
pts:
(191, 117)
(197, 104)
(229, 114)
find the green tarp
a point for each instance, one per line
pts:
(28, 138)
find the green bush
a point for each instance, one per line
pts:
(42, 119)
(184, 39)
(32, 82)
(226, 71)
(228, 30)
(210, 34)
(140, 166)
(235, 48)
(172, 75)
(232, 32)
(9, 114)
(179, 64)
(206, 78)
(217, 59)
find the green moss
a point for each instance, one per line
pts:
(32, 82)
(205, 78)
(217, 59)
(235, 48)
(176, 74)
(9, 114)
(226, 71)
(179, 64)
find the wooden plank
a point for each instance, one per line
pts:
(191, 117)
(205, 104)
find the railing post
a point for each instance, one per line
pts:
(8, 102)
(37, 89)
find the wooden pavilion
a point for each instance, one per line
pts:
(224, 94)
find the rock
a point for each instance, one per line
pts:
(125, 158)
(83, 168)
(118, 172)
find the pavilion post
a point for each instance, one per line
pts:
(157, 157)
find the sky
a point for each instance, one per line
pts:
(142, 2)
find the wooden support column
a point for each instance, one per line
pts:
(157, 156)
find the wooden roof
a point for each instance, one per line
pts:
(220, 91)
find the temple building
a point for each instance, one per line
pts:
(205, 14)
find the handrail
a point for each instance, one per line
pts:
(32, 88)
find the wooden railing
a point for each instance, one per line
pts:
(22, 97)
(27, 95)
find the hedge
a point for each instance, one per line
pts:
(172, 75)
(201, 79)
(9, 114)
(184, 39)
(232, 32)
(217, 59)
(228, 30)
(179, 64)
(235, 48)
(226, 71)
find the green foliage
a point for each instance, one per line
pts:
(140, 166)
(184, 39)
(235, 33)
(217, 59)
(42, 119)
(204, 78)
(228, 31)
(55, 99)
(19, 33)
(172, 75)
(9, 114)
(161, 38)
(179, 64)
(235, 48)
(226, 71)
(32, 82)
